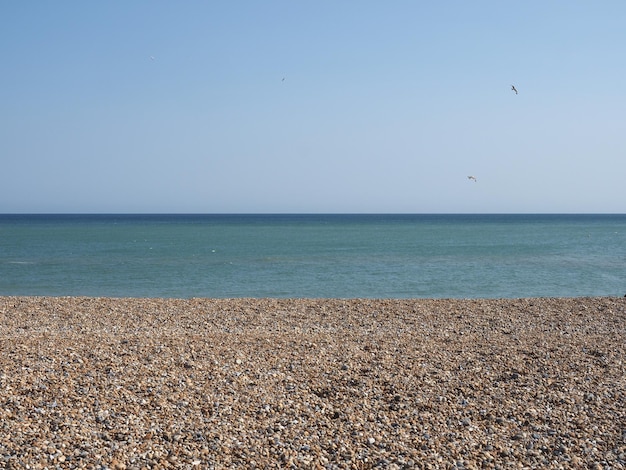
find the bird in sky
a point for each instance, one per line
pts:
(514, 89)
(473, 178)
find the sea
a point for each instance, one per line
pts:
(313, 255)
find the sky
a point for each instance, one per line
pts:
(326, 106)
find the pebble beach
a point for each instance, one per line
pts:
(103, 383)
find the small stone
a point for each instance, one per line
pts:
(118, 465)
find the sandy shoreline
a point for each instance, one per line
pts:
(204, 383)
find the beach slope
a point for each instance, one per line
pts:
(312, 383)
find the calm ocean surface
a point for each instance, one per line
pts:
(341, 256)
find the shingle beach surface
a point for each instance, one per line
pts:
(312, 383)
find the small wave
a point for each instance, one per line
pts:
(20, 262)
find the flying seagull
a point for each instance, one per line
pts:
(473, 178)
(514, 89)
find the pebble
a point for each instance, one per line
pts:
(312, 383)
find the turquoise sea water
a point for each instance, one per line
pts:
(341, 256)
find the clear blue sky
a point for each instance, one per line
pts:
(162, 106)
